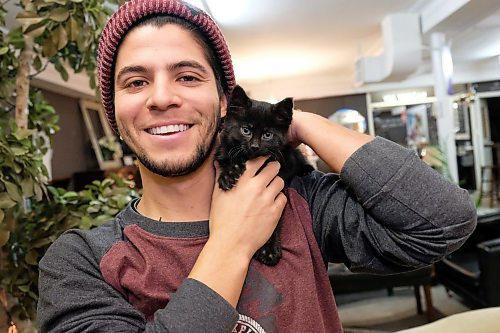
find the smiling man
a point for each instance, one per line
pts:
(179, 259)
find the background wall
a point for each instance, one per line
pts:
(72, 151)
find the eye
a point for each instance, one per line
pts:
(245, 130)
(136, 83)
(188, 78)
(267, 136)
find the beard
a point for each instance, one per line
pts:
(184, 167)
(203, 150)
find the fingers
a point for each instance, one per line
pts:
(256, 171)
(254, 165)
(276, 186)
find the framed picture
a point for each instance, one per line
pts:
(107, 149)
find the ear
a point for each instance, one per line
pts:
(223, 106)
(286, 104)
(239, 97)
(285, 108)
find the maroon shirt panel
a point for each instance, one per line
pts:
(147, 268)
(294, 296)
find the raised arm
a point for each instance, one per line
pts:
(333, 143)
(385, 210)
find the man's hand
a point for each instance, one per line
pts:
(246, 215)
(241, 221)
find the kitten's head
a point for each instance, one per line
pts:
(257, 128)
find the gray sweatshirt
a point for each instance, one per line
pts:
(386, 212)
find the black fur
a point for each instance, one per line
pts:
(254, 128)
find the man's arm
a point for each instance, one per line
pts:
(333, 143)
(388, 211)
(75, 298)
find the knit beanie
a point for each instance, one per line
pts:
(126, 17)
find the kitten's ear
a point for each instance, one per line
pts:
(285, 108)
(286, 104)
(239, 97)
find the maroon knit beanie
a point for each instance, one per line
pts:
(131, 12)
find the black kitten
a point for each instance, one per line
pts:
(250, 129)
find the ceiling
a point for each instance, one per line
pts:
(308, 49)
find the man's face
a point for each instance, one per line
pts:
(166, 101)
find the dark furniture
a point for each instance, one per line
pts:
(344, 281)
(473, 271)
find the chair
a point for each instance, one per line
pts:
(344, 281)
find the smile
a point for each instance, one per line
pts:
(168, 129)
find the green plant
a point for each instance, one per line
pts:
(46, 221)
(63, 33)
(23, 175)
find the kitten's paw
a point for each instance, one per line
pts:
(226, 182)
(269, 258)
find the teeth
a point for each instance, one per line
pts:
(168, 129)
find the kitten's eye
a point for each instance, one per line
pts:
(267, 136)
(245, 131)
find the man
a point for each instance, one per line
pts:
(180, 258)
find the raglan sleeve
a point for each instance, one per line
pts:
(387, 212)
(73, 297)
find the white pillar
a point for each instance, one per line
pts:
(442, 68)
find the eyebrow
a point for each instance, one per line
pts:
(189, 63)
(130, 69)
(178, 65)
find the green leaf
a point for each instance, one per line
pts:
(61, 2)
(59, 37)
(38, 192)
(24, 288)
(13, 191)
(37, 63)
(31, 258)
(16, 37)
(49, 49)
(72, 29)
(28, 18)
(4, 50)
(35, 30)
(21, 134)
(59, 14)
(42, 242)
(60, 68)
(27, 187)
(6, 202)
(19, 151)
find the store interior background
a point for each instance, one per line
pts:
(389, 60)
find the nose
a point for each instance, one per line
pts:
(163, 95)
(254, 145)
